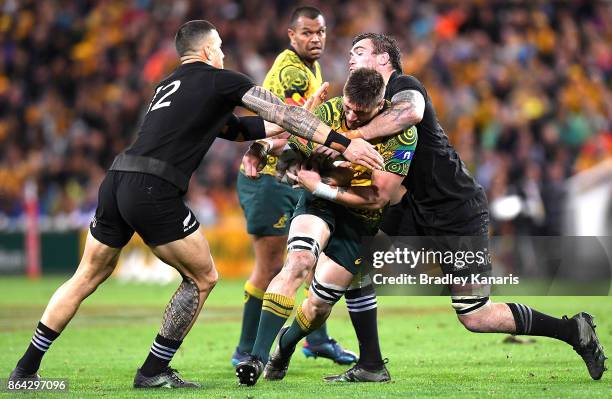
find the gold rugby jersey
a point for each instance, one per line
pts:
(293, 82)
(397, 150)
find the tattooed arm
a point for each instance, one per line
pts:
(302, 123)
(407, 108)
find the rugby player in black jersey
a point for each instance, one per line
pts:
(441, 198)
(143, 192)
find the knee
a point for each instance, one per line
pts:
(207, 280)
(317, 309)
(298, 265)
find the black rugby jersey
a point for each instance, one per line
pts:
(437, 180)
(187, 112)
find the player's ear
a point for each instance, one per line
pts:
(291, 34)
(382, 59)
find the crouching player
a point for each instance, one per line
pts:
(326, 232)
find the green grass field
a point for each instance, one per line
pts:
(430, 354)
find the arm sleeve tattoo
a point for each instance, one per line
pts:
(181, 310)
(294, 119)
(407, 107)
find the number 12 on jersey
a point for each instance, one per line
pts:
(172, 86)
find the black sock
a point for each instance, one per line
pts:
(532, 322)
(361, 304)
(40, 343)
(160, 355)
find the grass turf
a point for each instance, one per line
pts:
(430, 354)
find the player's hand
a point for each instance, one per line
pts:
(306, 178)
(363, 153)
(327, 152)
(254, 160)
(317, 98)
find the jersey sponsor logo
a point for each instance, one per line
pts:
(404, 155)
(94, 222)
(186, 224)
(358, 261)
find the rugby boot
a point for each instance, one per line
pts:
(238, 357)
(169, 378)
(330, 349)
(277, 365)
(588, 346)
(19, 374)
(359, 374)
(248, 371)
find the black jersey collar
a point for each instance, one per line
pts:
(393, 76)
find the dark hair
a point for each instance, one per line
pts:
(364, 87)
(306, 11)
(384, 44)
(190, 34)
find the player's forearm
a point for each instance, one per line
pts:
(406, 110)
(295, 120)
(272, 129)
(369, 197)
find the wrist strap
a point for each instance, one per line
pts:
(336, 141)
(325, 191)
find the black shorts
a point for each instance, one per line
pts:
(151, 206)
(436, 231)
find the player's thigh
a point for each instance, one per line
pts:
(269, 250)
(108, 225)
(267, 205)
(331, 272)
(313, 217)
(345, 246)
(190, 256)
(98, 261)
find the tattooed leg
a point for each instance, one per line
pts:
(181, 311)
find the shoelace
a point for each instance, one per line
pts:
(173, 373)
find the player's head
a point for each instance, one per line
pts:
(377, 51)
(199, 38)
(307, 33)
(363, 96)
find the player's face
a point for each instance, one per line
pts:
(356, 115)
(213, 50)
(308, 38)
(362, 55)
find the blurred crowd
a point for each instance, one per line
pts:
(521, 88)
